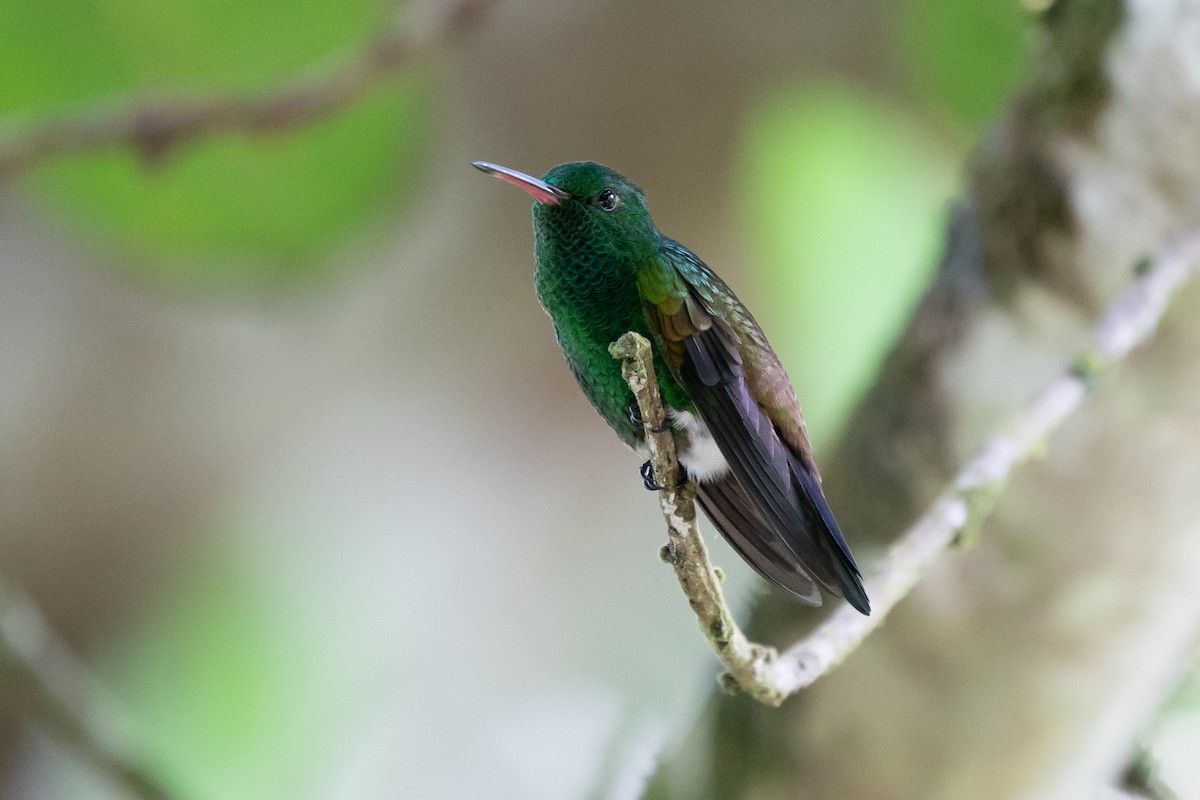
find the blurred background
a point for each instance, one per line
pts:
(288, 453)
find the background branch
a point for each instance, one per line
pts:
(54, 688)
(156, 127)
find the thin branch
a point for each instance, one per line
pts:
(56, 690)
(747, 664)
(954, 516)
(156, 127)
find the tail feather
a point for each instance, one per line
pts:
(837, 551)
(726, 504)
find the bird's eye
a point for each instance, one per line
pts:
(608, 200)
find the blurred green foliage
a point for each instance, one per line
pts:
(844, 200)
(228, 209)
(844, 194)
(962, 56)
(219, 683)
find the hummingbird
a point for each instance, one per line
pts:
(603, 268)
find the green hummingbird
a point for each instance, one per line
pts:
(602, 268)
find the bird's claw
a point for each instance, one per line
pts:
(648, 481)
(635, 416)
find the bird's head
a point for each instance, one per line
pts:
(585, 207)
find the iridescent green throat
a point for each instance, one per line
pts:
(587, 280)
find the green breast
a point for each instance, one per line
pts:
(593, 300)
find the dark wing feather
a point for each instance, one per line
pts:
(732, 512)
(776, 480)
(756, 456)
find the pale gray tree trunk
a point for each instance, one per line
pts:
(1022, 667)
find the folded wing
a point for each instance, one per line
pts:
(770, 508)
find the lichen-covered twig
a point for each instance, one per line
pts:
(45, 679)
(957, 513)
(748, 665)
(156, 127)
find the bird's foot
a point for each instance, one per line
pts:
(648, 481)
(635, 416)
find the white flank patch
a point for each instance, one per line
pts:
(698, 451)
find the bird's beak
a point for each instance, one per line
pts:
(540, 191)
